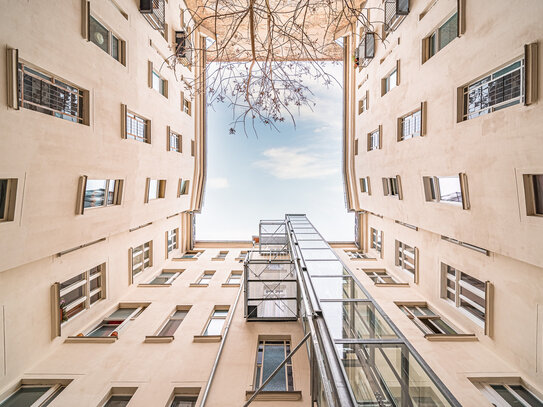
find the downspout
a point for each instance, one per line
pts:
(219, 352)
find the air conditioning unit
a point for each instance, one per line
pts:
(181, 44)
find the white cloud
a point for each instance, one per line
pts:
(217, 183)
(296, 163)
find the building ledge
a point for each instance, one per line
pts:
(362, 259)
(207, 338)
(217, 259)
(154, 285)
(91, 339)
(229, 285)
(391, 284)
(198, 285)
(180, 259)
(275, 395)
(159, 339)
(451, 338)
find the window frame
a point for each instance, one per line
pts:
(485, 386)
(213, 317)
(378, 277)
(118, 185)
(160, 189)
(400, 134)
(399, 259)
(55, 388)
(258, 379)
(429, 328)
(172, 241)
(365, 187)
(203, 279)
(530, 195)
(154, 75)
(375, 139)
(432, 191)
(138, 309)
(174, 141)
(10, 199)
(146, 263)
(376, 240)
(139, 119)
(122, 43)
(387, 84)
(428, 51)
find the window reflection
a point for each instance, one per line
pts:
(337, 288)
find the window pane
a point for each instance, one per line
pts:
(170, 327)
(95, 193)
(274, 354)
(118, 401)
(3, 196)
(182, 401)
(449, 189)
(99, 34)
(122, 313)
(103, 329)
(111, 192)
(506, 395)
(25, 396)
(214, 327)
(114, 47)
(527, 396)
(538, 193)
(337, 288)
(448, 31)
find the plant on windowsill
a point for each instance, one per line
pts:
(63, 313)
(114, 334)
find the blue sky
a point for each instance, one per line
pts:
(293, 170)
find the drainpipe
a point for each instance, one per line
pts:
(219, 352)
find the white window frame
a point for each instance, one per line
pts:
(138, 268)
(205, 277)
(494, 397)
(428, 315)
(121, 43)
(214, 317)
(138, 309)
(50, 394)
(402, 254)
(376, 239)
(117, 193)
(378, 276)
(374, 137)
(85, 299)
(171, 241)
(231, 280)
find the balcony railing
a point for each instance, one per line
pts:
(395, 11)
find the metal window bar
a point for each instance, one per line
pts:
(136, 127)
(155, 14)
(49, 95)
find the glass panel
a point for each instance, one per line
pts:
(122, 313)
(318, 254)
(3, 196)
(153, 189)
(337, 288)
(53, 396)
(324, 268)
(315, 244)
(538, 193)
(111, 192)
(156, 81)
(449, 189)
(99, 34)
(118, 401)
(355, 320)
(25, 396)
(162, 278)
(104, 329)
(527, 396)
(274, 354)
(214, 327)
(507, 396)
(448, 31)
(389, 374)
(307, 236)
(392, 80)
(170, 327)
(95, 193)
(182, 401)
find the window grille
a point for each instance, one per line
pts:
(136, 127)
(366, 49)
(394, 11)
(406, 258)
(374, 142)
(154, 12)
(46, 94)
(500, 89)
(411, 125)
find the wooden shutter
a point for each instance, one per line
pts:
(13, 77)
(531, 73)
(461, 17)
(367, 99)
(165, 87)
(423, 117)
(56, 319)
(123, 52)
(124, 111)
(369, 142)
(147, 183)
(166, 29)
(425, 49)
(489, 305)
(166, 245)
(85, 19)
(416, 277)
(382, 243)
(464, 190)
(162, 188)
(396, 254)
(179, 187)
(397, 72)
(399, 129)
(182, 101)
(130, 265)
(460, 104)
(80, 202)
(399, 186)
(383, 86)
(168, 131)
(385, 187)
(148, 131)
(380, 136)
(355, 146)
(150, 74)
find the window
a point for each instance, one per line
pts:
(376, 240)
(380, 276)
(102, 192)
(355, 146)
(155, 189)
(427, 320)
(533, 190)
(234, 278)
(191, 254)
(174, 141)
(407, 259)
(503, 393)
(106, 40)
(156, 81)
(81, 292)
(8, 193)
(142, 258)
(110, 326)
(184, 187)
(136, 127)
(355, 254)
(500, 89)
(450, 190)
(374, 139)
(205, 278)
(270, 354)
(392, 187)
(173, 322)
(365, 185)
(171, 240)
(390, 81)
(50, 95)
(440, 37)
(465, 292)
(166, 277)
(183, 401)
(216, 322)
(412, 124)
(241, 256)
(119, 397)
(221, 255)
(186, 104)
(33, 395)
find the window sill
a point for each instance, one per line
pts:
(391, 284)
(230, 285)
(158, 339)
(207, 338)
(198, 285)
(451, 338)
(359, 259)
(154, 285)
(217, 259)
(91, 339)
(275, 395)
(180, 259)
